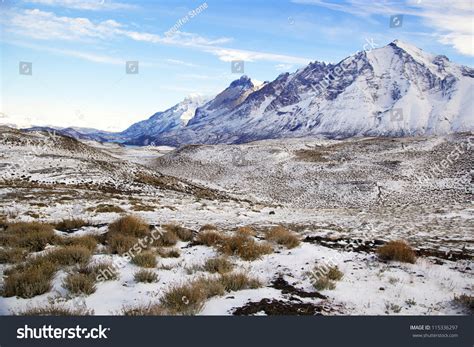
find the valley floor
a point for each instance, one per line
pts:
(342, 201)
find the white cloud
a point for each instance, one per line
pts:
(452, 21)
(92, 5)
(44, 25)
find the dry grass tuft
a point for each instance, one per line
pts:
(248, 231)
(119, 244)
(244, 246)
(100, 271)
(166, 239)
(88, 241)
(238, 281)
(32, 236)
(79, 284)
(145, 310)
(397, 250)
(55, 310)
(106, 208)
(189, 298)
(172, 253)
(71, 224)
(219, 265)
(29, 279)
(12, 255)
(209, 238)
(145, 259)
(324, 277)
(131, 226)
(466, 301)
(145, 276)
(183, 234)
(70, 255)
(207, 227)
(282, 236)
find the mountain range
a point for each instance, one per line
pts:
(395, 90)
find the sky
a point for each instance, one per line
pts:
(64, 62)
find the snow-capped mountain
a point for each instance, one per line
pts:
(173, 119)
(395, 90)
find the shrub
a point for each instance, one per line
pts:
(70, 255)
(71, 224)
(397, 250)
(87, 241)
(166, 239)
(244, 246)
(183, 234)
(209, 238)
(189, 298)
(145, 276)
(12, 255)
(238, 281)
(29, 279)
(466, 301)
(144, 259)
(120, 244)
(32, 236)
(207, 227)
(248, 231)
(219, 265)
(335, 274)
(324, 278)
(172, 253)
(105, 271)
(282, 236)
(106, 208)
(131, 226)
(55, 310)
(145, 310)
(79, 283)
(323, 282)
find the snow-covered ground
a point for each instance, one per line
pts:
(261, 184)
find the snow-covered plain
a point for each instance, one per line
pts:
(330, 192)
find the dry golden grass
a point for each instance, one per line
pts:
(238, 281)
(322, 283)
(70, 255)
(31, 236)
(325, 277)
(131, 226)
(207, 227)
(54, 310)
(335, 274)
(71, 224)
(166, 239)
(209, 238)
(145, 259)
(119, 244)
(29, 279)
(106, 208)
(170, 253)
(88, 241)
(465, 300)
(145, 310)
(397, 250)
(244, 246)
(282, 236)
(103, 270)
(183, 234)
(145, 276)
(220, 265)
(248, 231)
(79, 284)
(188, 299)
(12, 255)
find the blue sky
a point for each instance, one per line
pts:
(78, 49)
